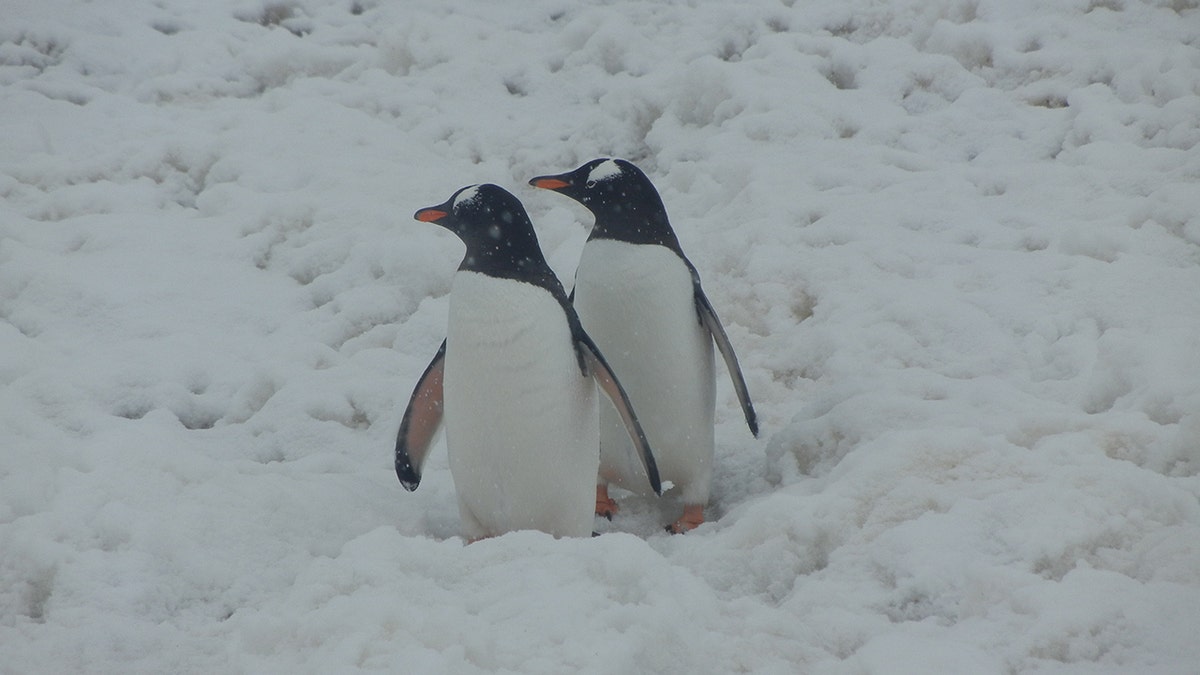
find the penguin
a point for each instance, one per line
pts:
(514, 383)
(640, 298)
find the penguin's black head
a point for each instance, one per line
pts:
(603, 185)
(620, 196)
(494, 226)
(479, 213)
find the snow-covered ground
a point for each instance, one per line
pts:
(955, 242)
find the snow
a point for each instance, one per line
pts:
(956, 245)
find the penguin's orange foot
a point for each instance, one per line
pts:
(693, 517)
(605, 505)
(608, 509)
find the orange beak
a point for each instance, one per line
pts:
(549, 183)
(430, 215)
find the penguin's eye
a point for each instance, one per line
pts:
(591, 184)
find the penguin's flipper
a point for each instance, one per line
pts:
(708, 319)
(421, 421)
(598, 368)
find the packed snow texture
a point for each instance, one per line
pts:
(956, 244)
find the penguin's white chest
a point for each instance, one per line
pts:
(637, 302)
(520, 416)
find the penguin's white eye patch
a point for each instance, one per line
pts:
(603, 171)
(467, 196)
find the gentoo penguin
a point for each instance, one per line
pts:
(640, 298)
(515, 381)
